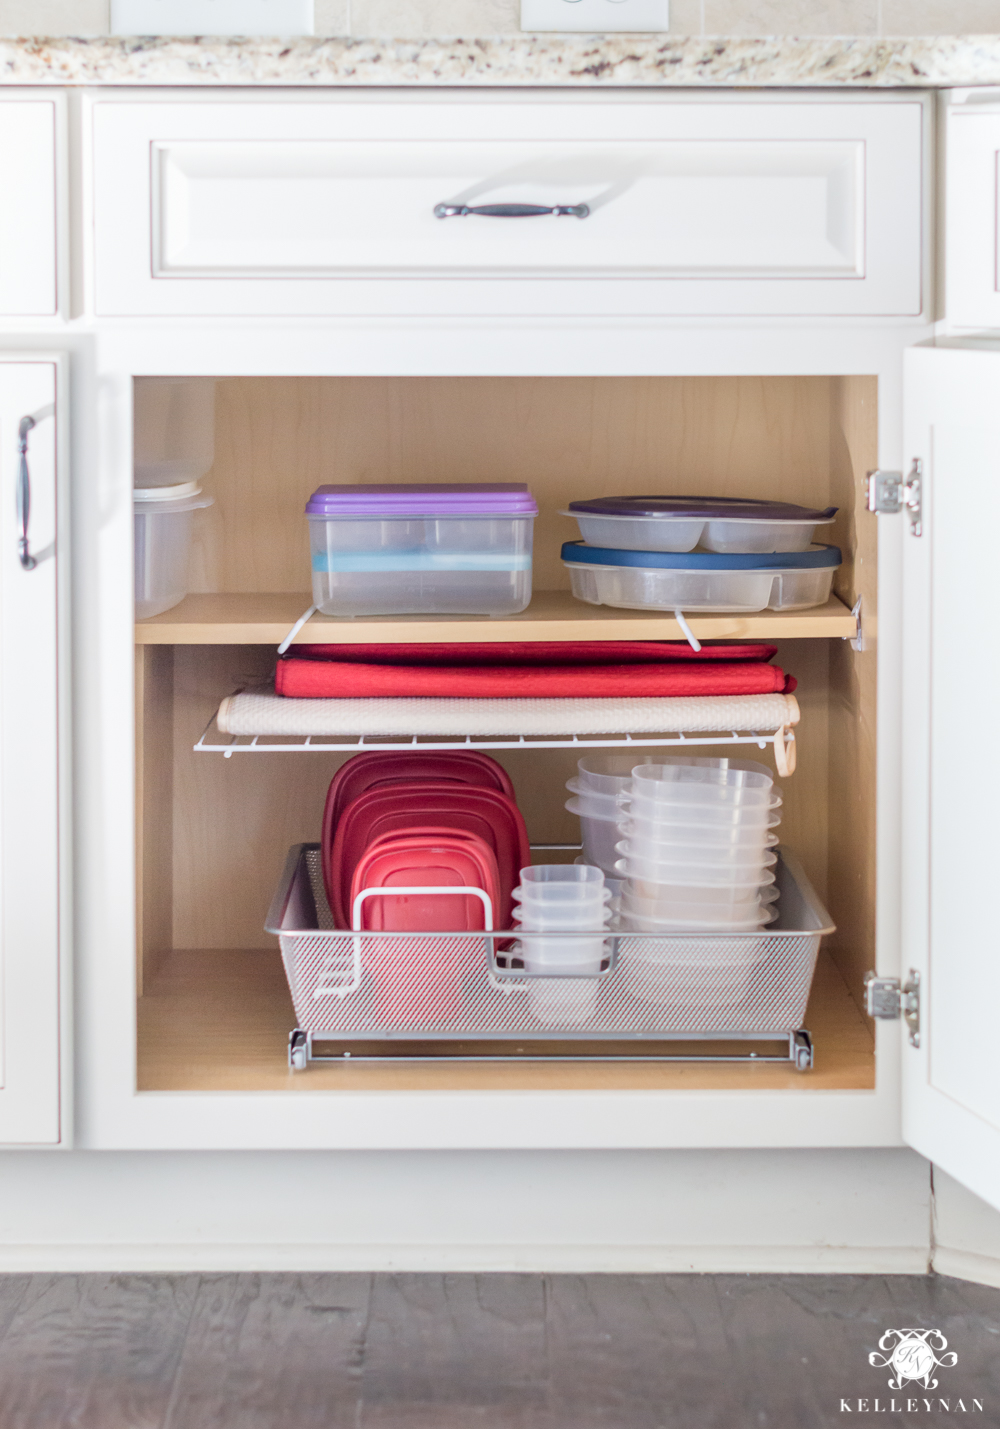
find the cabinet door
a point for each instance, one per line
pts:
(972, 216)
(31, 915)
(28, 130)
(951, 788)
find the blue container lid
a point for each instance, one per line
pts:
(459, 499)
(700, 508)
(578, 553)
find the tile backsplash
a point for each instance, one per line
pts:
(405, 19)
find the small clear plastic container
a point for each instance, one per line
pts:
(700, 581)
(679, 523)
(716, 922)
(163, 517)
(699, 784)
(421, 550)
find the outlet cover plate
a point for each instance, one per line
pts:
(596, 17)
(212, 17)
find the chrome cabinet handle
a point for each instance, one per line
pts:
(28, 561)
(511, 210)
(26, 425)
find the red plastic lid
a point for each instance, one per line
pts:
(487, 812)
(428, 864)
(377, 769)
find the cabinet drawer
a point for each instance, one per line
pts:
(752, 207)
(28, 214)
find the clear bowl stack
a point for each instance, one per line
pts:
(562, 898)
(600, 781)
(697, 849)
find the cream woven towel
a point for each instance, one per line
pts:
(257, 712)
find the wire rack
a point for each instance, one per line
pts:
(473, 986)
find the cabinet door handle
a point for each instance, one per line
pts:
(511, 210)
(26, 425)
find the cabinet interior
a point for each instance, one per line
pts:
(212, 833)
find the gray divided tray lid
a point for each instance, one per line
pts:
(700, 508)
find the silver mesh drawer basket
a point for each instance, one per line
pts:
(472, 985)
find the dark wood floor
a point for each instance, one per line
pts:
(481, 1351)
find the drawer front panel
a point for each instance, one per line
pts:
(28, 213)
(362, 209)
(285, 207)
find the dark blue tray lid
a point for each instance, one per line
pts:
(700, 508)
(578, 553)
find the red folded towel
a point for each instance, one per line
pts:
(474, 672)
(534, 652)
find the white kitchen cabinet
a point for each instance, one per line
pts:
(296, 208)
(34, 870)
(30, 172)
(675, 204)
(970, 213)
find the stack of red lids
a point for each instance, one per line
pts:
(414, 820)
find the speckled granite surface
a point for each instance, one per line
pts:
(654, 60)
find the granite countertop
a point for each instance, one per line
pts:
(654, 60)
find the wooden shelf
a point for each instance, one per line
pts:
(552, 615)
(219, 1021)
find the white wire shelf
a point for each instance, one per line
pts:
(228, 745)
(274, 726)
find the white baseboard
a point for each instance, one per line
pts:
(967, 1265)
(536, 1259)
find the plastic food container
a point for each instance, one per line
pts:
(703, 841)
(163, 520)
(696, 786)
(667, 822)
(599, 835)
(174, 429)
(679, 523)
(421, 550)
(653, 580)
(650, 861)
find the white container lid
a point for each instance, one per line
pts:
(180, 492)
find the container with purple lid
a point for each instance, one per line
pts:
(449, 549)
(724, 524)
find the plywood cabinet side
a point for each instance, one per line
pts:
(154, 793)
(852, 704)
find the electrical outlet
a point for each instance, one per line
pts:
(212, 17)
(596, 16)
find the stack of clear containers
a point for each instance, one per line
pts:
(559, 898)
(600, 780)
(697, 853)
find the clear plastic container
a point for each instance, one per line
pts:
(684, 853)
(421, 550)
(599, 836)
(163, 524)
(174, 429)
(701, 784)
(651, 862)
(716, 923)
(603, 776)
(704, 841)
(679, 523)
(656, 818)
(701, 582)
(715, 895)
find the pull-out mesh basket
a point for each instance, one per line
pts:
(473, 985)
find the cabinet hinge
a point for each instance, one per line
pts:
(889, 492)
(888, 1001)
